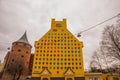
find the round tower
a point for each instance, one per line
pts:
(17, 62)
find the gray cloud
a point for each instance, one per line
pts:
(16, 16)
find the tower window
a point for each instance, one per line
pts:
(12, 50)
(12, 60)
(22, 56)
(26, 51)
(19, 50)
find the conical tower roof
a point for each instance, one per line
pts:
(23, 39)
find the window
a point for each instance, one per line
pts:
(12, 60)
(22, 56)
(19, 50)
(26, 52)
(38, 67)
(57, 72)
(12, 50)
(40, 50)
(80, 67)
(79, 63)
(57, 67)
(58, 25)
(47, 54)
(35, 67)
(35, 62)
(68, 63)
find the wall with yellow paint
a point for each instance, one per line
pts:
(57, 50)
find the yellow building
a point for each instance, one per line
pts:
(58, 55)
(102, 76)
(95, 76)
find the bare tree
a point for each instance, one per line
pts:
(110, 44)
(96, 60)
(108, 54)
(15, 69)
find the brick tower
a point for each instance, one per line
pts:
(17, 59)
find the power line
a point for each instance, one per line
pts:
(79, 34)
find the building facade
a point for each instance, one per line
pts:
(58, 55)
(102, 76)
(17, 59)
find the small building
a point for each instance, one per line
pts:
(102, 76)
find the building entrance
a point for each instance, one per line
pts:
(69, 78)
(45, 78)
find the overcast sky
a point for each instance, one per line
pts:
(16, 16)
